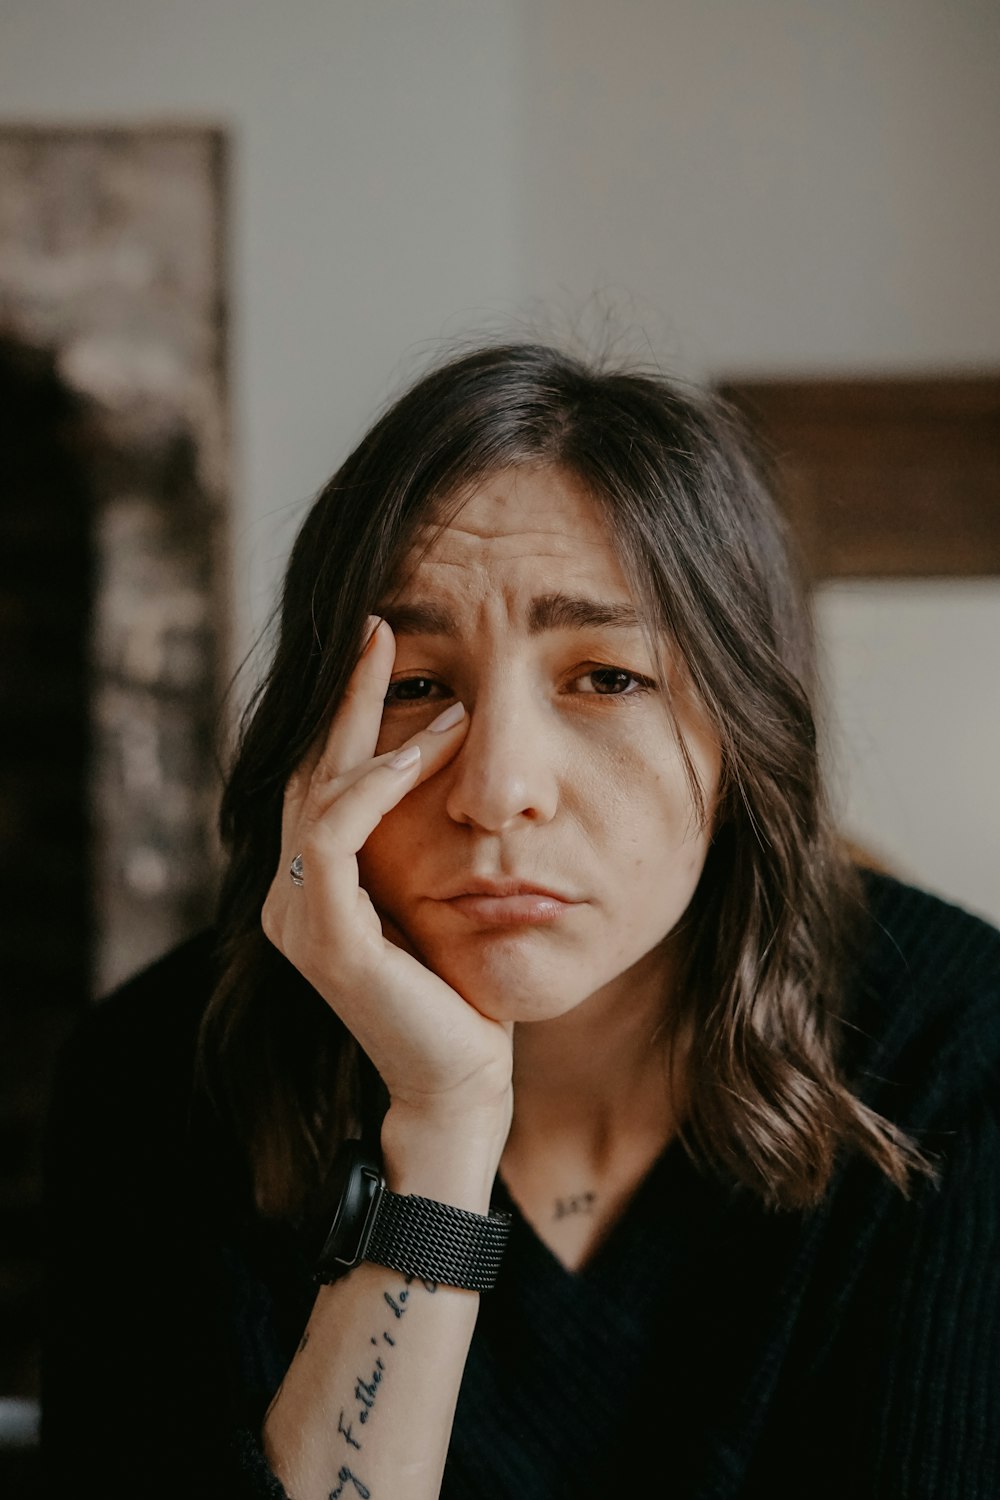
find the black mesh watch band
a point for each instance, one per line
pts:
(417, 1236)
(437, 1241)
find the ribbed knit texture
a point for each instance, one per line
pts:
(853, 1352)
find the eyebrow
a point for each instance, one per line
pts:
(546, 612)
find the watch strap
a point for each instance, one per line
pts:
(437, 1241)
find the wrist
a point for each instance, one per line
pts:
(453, 1160)
(419, 1236)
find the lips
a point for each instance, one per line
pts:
(472, 885)
(508, 903)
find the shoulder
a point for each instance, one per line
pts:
(131, 1055)
(126, 1110)
(925, 1007)
(159, 1007)
(930, 936)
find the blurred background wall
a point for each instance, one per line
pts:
(779, 186)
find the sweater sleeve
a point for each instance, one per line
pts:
(890, 1385)
(896, 1386)
(936, 1389)
(141, 1394)
(926, 1391)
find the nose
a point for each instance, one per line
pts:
(505, 772)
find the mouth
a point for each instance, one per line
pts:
(508, 903)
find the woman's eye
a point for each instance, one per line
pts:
(613, 682)
(602, 682)
(411, 690)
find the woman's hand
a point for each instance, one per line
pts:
(438, 1057)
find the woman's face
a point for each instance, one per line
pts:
(570, 782)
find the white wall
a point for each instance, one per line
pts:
(795, 186)
(912, 671)
(779, 184)
(373, 197)
(748, 185)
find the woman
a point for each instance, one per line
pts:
(686, 1126)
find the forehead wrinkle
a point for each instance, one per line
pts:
(554, 570)
(551, 611)
(560, 528)
(561, 537)
(489, 557)
(490, 517)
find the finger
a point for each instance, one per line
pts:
(330, 840)
(413, 762)
(326, 745)
(354, 730)
(437, 743)
(329, 844)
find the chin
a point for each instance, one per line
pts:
(505, 981)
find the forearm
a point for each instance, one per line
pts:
(368, 1403)
(367, 1406)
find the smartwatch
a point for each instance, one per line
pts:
(417, 1236)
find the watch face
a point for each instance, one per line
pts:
(355, 1187)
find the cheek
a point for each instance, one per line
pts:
(398, 726)
(388, 853)
(638, 800)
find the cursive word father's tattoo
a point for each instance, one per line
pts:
(345, 1477)
(367, 1383)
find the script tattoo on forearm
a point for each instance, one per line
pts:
(345, 1477)
(366, 1386)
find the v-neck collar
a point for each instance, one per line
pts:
(572, 1373)
(671, 1178)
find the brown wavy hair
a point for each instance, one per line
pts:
(691, 511)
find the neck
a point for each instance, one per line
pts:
(595, 1104)
(601, 1073)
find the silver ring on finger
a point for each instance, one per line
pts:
(296, 873)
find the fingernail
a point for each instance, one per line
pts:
(403, 759)
(371, 625)
(447, 720)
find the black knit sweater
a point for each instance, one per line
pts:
(850, 1352)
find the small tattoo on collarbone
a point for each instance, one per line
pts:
(576, 1203)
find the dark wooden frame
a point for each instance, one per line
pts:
(893, 477)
